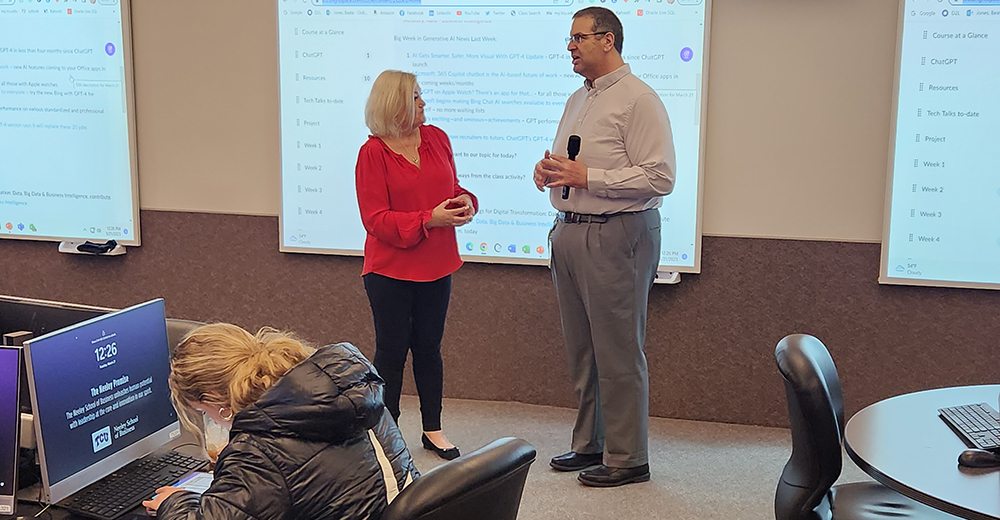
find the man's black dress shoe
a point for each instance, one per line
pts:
(604, 476)
(445, 453)
(574, 461)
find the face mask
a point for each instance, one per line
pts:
(216, 438)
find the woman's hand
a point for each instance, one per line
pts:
(452, 213)
(161, 495)
(471, 207)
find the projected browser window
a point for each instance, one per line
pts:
(64, 124)
(944, 219)
(495, 77)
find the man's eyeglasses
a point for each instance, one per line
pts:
(579, 37)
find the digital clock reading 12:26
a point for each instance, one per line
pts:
(106, 352)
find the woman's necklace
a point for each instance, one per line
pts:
(411, 152)
(412, 155)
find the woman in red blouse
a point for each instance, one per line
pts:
(410, 204)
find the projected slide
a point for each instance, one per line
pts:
(66, 170)
(943, 220)
(495, 78)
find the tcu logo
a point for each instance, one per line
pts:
(101, 438)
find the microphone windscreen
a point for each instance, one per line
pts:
(574, 146)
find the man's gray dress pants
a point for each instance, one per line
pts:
(603, 273)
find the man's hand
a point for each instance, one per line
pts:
(541, 177)
(560, 171)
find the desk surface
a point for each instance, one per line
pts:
(902, 443)
(186, 444)
(28, 512)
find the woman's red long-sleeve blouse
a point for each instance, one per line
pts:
(396, 198)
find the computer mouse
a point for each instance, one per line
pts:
(979, 459)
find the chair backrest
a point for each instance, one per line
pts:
(485, 484)
(816, 415)
(177, 329)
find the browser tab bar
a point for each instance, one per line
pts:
(451, 3)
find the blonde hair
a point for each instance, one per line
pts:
(223, 362)
(391, 109)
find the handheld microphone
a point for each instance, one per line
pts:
(572, 149)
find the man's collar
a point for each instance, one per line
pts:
(605, 81)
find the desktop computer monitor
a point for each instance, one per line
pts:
(100, 394)
(10, 426)
(43, 316)
(27, 317)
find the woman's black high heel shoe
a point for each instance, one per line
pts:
(444, 453)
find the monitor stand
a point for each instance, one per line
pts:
(667, 277)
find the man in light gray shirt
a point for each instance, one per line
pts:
(606, 246)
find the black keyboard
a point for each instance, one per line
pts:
(976, 424)
(125, 489)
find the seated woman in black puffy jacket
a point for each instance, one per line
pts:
(309, 436)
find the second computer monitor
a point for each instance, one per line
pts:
(10, 425)
(100, 394)
(43, 316)
(32, 317)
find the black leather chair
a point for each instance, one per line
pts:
(816, 414)
(177, 329)
(483, 485)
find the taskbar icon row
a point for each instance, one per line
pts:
(9, 226)
(497, 247)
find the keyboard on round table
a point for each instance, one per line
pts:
(976, 424)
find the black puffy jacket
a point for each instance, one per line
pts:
(317, 445)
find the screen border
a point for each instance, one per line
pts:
(133, 149)
(56, 492)
(883, 276)
(11, 499)
(695, 268)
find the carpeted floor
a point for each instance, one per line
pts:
(700, 470)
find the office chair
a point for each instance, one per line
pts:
(483, 485)
(177, 329)
(816, 414)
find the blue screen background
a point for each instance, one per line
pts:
(10, 416)
(66, 368)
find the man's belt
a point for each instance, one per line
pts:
(584, 218)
